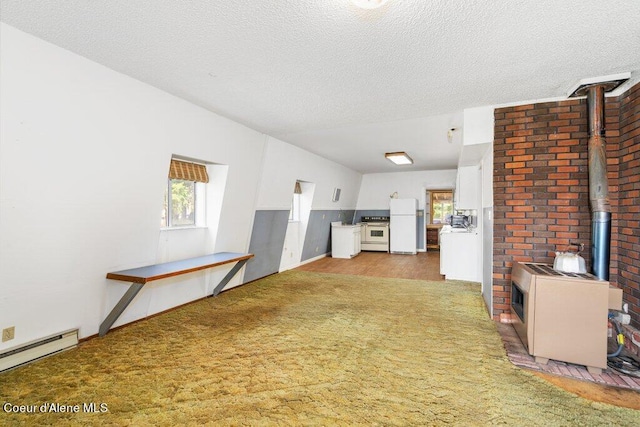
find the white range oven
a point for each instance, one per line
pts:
(375, 233)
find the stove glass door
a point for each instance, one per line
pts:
(377, 233)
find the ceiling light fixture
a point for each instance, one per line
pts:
(399, 158)
(368, 4)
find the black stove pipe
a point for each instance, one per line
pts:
(598, 185)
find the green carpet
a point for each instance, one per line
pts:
(304, 349)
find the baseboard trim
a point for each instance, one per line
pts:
(307, 261)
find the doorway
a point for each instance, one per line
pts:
(438, 211)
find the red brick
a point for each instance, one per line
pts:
(541, 188)
(514, 165)
(562, 116)
(523, 158)
(516, 139)
(554, 136)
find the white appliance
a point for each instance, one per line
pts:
(375, 233)
(402, 226)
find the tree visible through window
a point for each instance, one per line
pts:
(179, 204)
(441, 206)
(184, 195)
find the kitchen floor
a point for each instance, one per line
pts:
(423, 266)
(620, 390)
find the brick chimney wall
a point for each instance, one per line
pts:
(628, 214)
(541, 189)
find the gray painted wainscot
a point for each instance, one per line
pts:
(269, 230)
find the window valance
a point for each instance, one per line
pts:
(188, 171)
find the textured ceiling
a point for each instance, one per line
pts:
(346, 83)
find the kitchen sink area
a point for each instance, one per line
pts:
(371, 234)
(345, 240)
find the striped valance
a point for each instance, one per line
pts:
(188, 171)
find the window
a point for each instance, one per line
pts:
(441, 206)
(294, 213)
(179, 204)
(184, 195)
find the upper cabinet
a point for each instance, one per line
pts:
(478, 125)
(467, 194)
(477, 140)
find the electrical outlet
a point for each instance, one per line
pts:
(8, 333)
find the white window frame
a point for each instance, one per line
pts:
(200, 216)
(431, 205)
(294, 212)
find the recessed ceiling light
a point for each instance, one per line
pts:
(368, 4)
(399, 158)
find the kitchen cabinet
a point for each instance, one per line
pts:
(467, 194)
(345, 240)
(459, 255)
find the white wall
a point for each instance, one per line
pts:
(487, 230)
(84, 156)
(377, 187)
(285, 163)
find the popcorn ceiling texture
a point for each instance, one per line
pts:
(302, 348)
(294, 68)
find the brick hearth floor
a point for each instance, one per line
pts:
(519, 357)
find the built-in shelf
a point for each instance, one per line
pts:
(433, 236)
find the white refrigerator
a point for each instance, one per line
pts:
(402, 226)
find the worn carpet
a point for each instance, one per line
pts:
(302, 348)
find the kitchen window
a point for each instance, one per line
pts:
(441, 206)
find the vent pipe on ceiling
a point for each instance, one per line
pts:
(598, 183)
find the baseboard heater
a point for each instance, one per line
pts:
(38, 349)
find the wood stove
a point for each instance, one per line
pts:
(562, 316)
